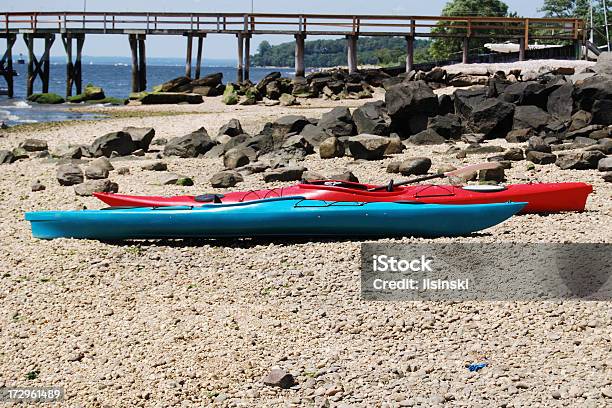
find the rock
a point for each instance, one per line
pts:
(604, 64)
(6, 157)
(445, 168)
(583, 132)
(120, 142)
(287, 100)
(211, 80)
(395, 145)
(279, 378)
(530, 117)
(496, 174)
(582, 141)
(446, 104)
(538, 144)
(473, 138)
(176, 179)
(605, 164)
(393, 167)
(270, 102)
(158, 98)
(580, 160)
(492, 117)
(312, 176)
(592, 89)
(408, 100)
(273, 90)
(514, 154)
(560, 102)
(173, 84)
(298, 146)
(466, 100)
(19, 153)
(37, 186)
(238, 157)
(34, 145)
(519, 135)
(283, 126)
(69, 174)
(540, 157)
(314, 135)
(87, 188)
(602, 112)
(580, 119)
(190, 145)
(344, 175)
(415, 166)
(141, 136)
(462, 80)
(226, 179)
(123, 171)
(155, 166)
(372, 118)
(231, 128)
(96, 172)
(337, 122)
(427, 137)
(607, 177)
(449, 126)
(46, 98)
(292, 173)
(524, 93)
(93, 93)
(262, 143)
(368, 147)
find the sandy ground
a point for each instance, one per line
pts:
(196, 323)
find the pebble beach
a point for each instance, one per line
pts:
(202, 322)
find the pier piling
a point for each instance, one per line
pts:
(299, 55)
(247, 57)
(240, 73)
(74, 75)
(199, 56)
(188, 56)
(38, 68)
(466, 49)
(6, 64)
(139, 62)
(352, 53)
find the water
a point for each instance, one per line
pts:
(111, 73)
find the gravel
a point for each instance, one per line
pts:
(176, 323)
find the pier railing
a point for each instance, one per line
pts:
(153, 23)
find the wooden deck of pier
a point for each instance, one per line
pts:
(74, 26)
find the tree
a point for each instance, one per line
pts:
(579, 9)
(443, 48)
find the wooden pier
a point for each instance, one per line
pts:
(138, 25)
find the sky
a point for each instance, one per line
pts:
(224, 46)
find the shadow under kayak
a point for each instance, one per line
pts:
(289, 216)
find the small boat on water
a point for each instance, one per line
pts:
(540, 197)
(276, 217)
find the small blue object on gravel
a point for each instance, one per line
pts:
(477, 366)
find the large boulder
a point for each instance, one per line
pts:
(231, 128)
(592, 89)
(602, 112)
(337, 122)
(524, 93)
(492, 117)
(314, 134)
(46, 98)
(291, 173)
(560, 102)
(604, 64)
(263, 83)
(141, 136)
(541, 157)
(466, 100)
(415, 166)
(191, 145)
(448, 126)
(159, 98)
(283, 126)
(173, 84)
(119, 142)
(372, 118)
(69, 174)
(408, 98)
(585, 160)
(369, 147)
(238, 157)
(537, 144)
(6, 157)
(530, 117)
(210, 80)
(427, 137)
(34, 145)
(331, 147)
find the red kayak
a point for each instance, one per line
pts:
(541, 197)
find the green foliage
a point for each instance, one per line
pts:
(579, 9)
(330, 53)
(449, 48)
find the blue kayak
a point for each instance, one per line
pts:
(287, 216)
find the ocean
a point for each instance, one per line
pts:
(113, 74)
